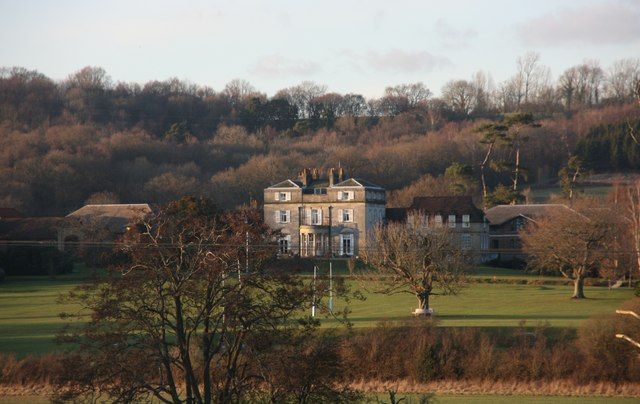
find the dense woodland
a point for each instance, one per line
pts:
(86, 138)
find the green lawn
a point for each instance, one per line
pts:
(542, 195)
(29, 309)
(493, 305)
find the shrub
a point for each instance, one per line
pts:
(23, 260)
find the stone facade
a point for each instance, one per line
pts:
(323, 216)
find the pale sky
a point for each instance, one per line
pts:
(357, 46)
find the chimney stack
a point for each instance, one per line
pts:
(305, 177)
(333, 177)
(341, 176)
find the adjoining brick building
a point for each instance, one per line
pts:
(457, 213)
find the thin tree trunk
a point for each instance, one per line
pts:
(578, 288)
(516, 174)
(482, 167)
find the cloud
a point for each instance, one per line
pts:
(608, 23)
(451, 37)
(280, 66)
(396, 60)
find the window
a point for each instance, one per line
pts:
(347, 215)
(320, 191)
(465, 221)
(345, 195)
(452, 221)
(465, 241)
(438, 220)
(284, 244)
(346, 244)
(283, 196)
(283, 216)
(316, 216)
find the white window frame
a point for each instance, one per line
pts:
(317, 218)
(466, 221)
(343, 239)
(437, 220)
(345, 195)
(452, 223)
(282, 196)
(283, 216)
(348, 213)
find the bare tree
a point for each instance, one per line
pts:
(460, 96)
(237, 90)
(530, 77)
(627, 201)
(182, 320)
(621, 79)
(415, 93)
(570, 243)
(301, 96)
(407, 258)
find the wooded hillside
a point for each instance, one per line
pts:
(89, 139)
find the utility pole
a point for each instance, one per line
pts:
(330, 286)
(313, 301)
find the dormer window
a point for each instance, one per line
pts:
(452, 221)
(466, 219)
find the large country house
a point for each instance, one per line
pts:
(323, 216)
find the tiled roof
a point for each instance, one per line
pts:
(114, 216)
(503, 213)
(448, 205)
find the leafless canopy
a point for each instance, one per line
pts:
(411, 259)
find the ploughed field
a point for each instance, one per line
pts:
(29, 308)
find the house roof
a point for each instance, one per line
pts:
(9, 213)
(324, 183)
(31, 228)
(439, 205)
(114, 216)
(448, 205)
(500, 214)
(287, 184)
(356, 182)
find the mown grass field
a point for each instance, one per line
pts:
(29, 308)
(493, 305)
